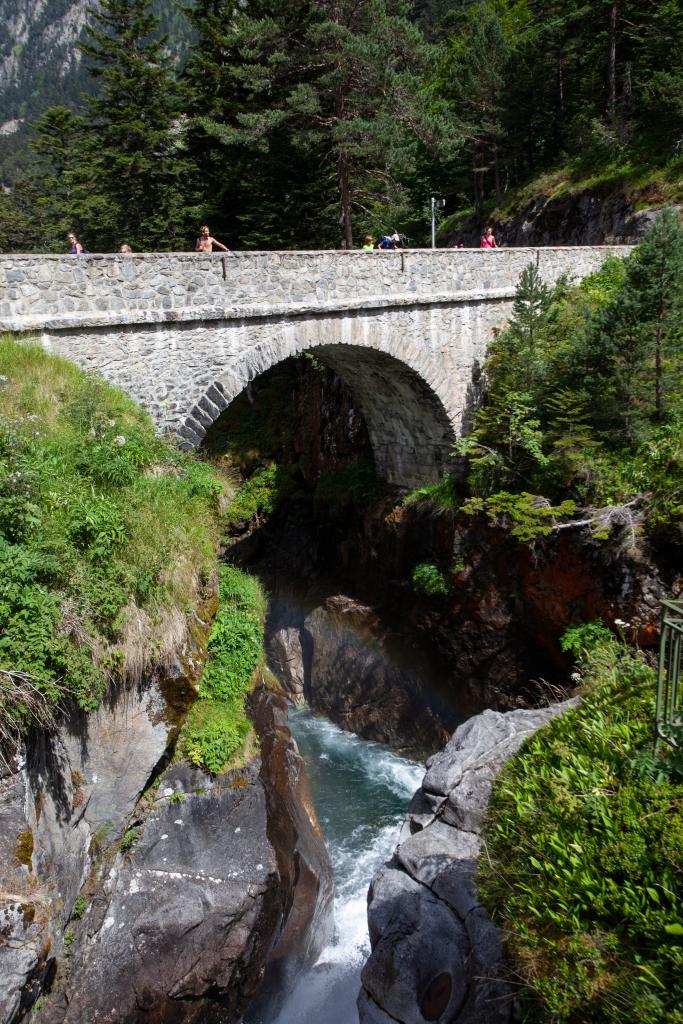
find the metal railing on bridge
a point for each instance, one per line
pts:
(669, 714)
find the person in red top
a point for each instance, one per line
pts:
(488, 239)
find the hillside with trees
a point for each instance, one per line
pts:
(310, 124)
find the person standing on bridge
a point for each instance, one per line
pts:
(205, 242)
(76, 247)
(488, 239)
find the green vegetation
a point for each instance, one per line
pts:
(583, 404)
(80, 907)
(584, 837)
(260, 493)
(428, 579)
(217, 725)
(442, 495)
(128, 140)
(525, 515)
(491, 104)
(360, 109)
(128, 839)
(645, 177)
(581, 640)
(107, 536)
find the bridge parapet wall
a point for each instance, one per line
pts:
(47, 291)
(185, 333)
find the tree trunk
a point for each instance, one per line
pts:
(626, 131)
(496, 172)
(612, 63)
(343, 169)
(659, 389)
(559, 131)
(345, 195)
(477, 177)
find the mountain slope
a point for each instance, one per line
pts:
(41, 65)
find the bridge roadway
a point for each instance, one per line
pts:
(184, 333)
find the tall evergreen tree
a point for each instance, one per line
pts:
(477, 71)
(343, 81)
(269, 190)
(53, 177)
(132, 166)
(632, 358)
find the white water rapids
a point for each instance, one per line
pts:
(361, 791)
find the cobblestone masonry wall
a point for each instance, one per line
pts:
(185, 333)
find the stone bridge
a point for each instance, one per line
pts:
(186, 333)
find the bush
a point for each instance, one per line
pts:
(217, 725)
(428, 579)
(583, 640)
(584, 837)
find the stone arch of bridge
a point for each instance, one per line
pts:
(400, 390)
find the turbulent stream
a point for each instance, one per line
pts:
(361, 792)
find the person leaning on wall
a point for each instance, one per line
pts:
(205, 242)
(76, 247)
(488, 239)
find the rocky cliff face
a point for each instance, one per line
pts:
(582, 218)
(40, 62)
(352, 665)
(348, 630)
(359, 643)
(436, 954)
(137, 889)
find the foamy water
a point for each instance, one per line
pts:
(361, 791)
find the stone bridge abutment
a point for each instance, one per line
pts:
(185, 333)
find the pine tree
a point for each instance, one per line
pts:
(53, 176)
(132, 168)
(261, 189)
(631, 358)
(335, 84)
(475, 82)
(652, 299)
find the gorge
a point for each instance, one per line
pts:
(159, 888)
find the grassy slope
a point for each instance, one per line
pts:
(584, 840)
(634, 173)
(108, 541)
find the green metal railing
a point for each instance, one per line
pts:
(669, 715)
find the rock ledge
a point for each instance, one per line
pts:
(436, 955)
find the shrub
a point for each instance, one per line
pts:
(257, 495)
(217, 725)
(428, 579)
(582, 640)
(584, 837)
(80, 907)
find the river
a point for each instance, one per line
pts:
(361, 791)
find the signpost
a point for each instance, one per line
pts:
(436, 204)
